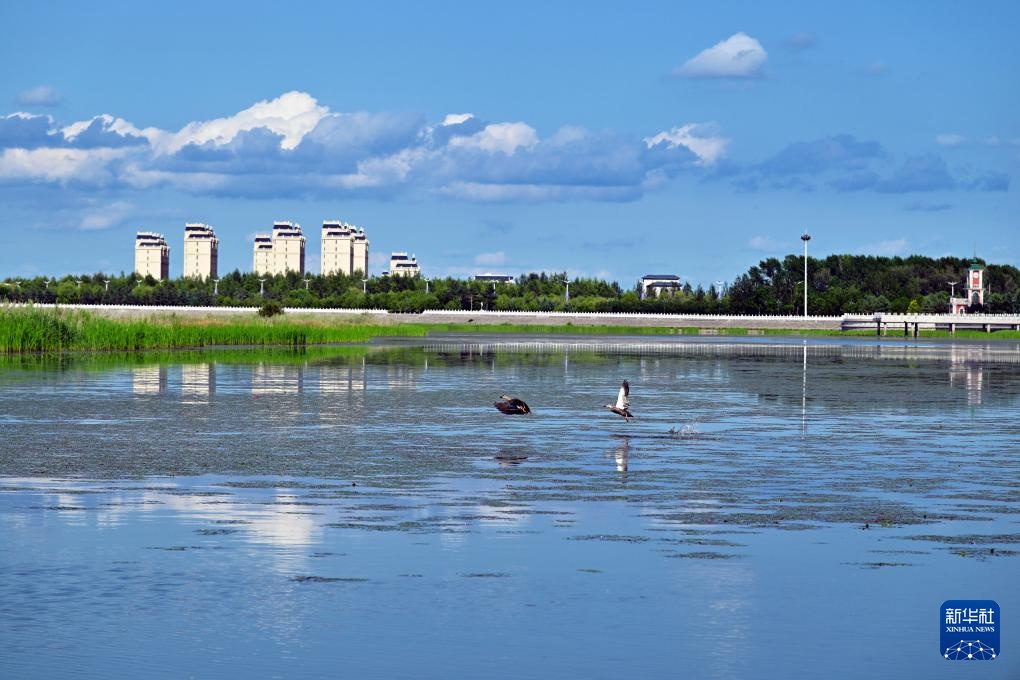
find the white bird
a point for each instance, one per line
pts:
(622, 406)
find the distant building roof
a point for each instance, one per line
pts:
(660, 277)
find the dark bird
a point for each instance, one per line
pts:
(512, 406)
(622, 406)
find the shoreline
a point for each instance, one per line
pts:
(31, 330)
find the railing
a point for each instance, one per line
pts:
(879, 317)
(187, 308)
(609, 315)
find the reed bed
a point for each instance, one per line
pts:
(29, 330)
(24, 330)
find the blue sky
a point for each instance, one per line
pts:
(611, 140)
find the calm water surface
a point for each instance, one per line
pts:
(778, 509)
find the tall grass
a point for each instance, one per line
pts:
(24, 330)
(30, 330)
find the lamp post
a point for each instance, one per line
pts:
(364, 286)
(107, 282)
(307, 281)
(805, 238)
(262, 287)
(952, 287)
(216, 287)
(427, 286)
(566, 295)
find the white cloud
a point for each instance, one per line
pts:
(482, 192)
(457, 118)
(739, 56)
(568, 134)
(950, 139)
(764, 244)
(59, 165)
(496, 258)
(503, 137)
(293, 147)
(104, 217)
(42, 95)
(291, 115)
(696, 137)
(113, 125)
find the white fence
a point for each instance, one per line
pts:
(185, 308)
(847, 319)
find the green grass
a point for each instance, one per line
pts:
(26, 330)
(29, 330)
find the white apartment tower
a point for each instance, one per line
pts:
(344, 248)
(337, 248)
(359, 255)
(263, 254)
(402, 264)
(280, 252)
(201, 251)
(152, 255)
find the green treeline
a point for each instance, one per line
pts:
(837, 284)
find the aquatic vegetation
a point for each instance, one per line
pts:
(31, 330)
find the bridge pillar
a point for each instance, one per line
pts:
(906, 329)
(988, 328)
(952, 329)
(916, 326)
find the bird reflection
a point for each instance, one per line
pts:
(621, 454)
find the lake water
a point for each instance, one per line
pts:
(777, 509)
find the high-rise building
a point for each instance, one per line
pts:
(344, 248)
(359, 254)
(402, 264)
(337, 250)
(152, 255)
(263, 263)
(201, 251)
(280, 252)
(288, 248)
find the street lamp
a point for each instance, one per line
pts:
(216, 287)
(427, 286)
(805, 238)
(262, 287)
(952, 287)
(307, 281)
(364, 286)
(566, 296)
(107, 282)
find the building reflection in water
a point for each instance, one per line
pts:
(148, 379)
(198, 382)
(335, 379)
(343, 389)
(966, 371)
(276, 379)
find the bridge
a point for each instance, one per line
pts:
(883, 323)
